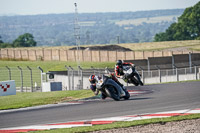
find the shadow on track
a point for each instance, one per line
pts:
(144, 98)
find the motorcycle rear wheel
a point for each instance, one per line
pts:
(141, 83)
(134, 81)
(113, 93)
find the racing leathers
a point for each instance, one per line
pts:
(119, 68)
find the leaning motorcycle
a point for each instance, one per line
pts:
(131, 75)
(111, 89)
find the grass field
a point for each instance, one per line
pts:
(21, 100)
(55, 65)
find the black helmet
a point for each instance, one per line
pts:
(119, 62)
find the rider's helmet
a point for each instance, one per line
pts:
(119, 62)
(92, 79)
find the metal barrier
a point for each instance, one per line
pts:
(27, 79)
(148, 77)
(171, 75)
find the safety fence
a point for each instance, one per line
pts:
(26, 79)
(31, 79)
(171, 75)
(78, 79)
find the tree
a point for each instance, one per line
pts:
(6, 45)
(25, 40)
(187, 27)
(1, 40)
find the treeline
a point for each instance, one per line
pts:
(25, 40)
(95, 28)
(187, 27)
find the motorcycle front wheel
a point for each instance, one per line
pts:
(127, 95)
(134, 81)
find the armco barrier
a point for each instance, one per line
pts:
(7, 88)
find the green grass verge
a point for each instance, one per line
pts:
(122, 124)
(28, 99)
(55, 65)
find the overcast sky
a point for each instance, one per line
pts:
(32, 7)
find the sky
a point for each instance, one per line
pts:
(33, 7)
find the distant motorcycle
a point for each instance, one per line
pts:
(132, 75)
(111, 89)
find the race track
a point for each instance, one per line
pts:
(157, 98)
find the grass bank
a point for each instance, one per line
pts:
(55, 65)
(28, 99)
(168, 45)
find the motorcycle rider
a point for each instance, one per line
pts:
(96, 82)
(119, 69)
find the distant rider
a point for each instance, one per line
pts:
(119, 69)
(96, 81)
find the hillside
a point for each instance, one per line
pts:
(95, 28)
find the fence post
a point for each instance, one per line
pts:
(68, 73)
(173, 63)
(143, 77)
(190, 61)
(31, 78)
(148, 63)
(72, 77)
(177, 76)
(142, 74)
(9, 72)
(159, 72)
(81, 81)
(21, 72)
(195, 69)
(41, 70)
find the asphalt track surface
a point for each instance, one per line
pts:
(157, 98)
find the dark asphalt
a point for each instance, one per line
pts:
(164, 97)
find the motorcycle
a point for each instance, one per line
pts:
(111, 89)
(132, 75)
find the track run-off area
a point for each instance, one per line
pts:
(145, 101)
